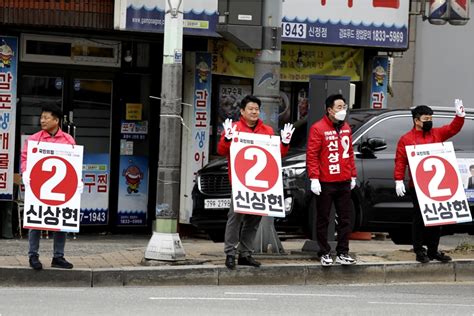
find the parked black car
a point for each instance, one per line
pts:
(376, 206)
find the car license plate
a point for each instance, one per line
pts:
(217, 203)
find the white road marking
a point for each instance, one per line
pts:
(420, 304)
(288, 294)
(204, 298)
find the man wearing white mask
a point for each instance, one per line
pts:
(331, 169)
(423, 132)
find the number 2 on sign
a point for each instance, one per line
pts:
(46, 191)
(250, 176)
(433, 186)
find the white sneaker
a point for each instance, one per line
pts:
(345, 259)
(326, 260)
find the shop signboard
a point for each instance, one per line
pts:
(8, 87)
(200, 16)
(370, 23)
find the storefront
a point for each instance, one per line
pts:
(103, 76)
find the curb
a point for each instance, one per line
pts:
(276, 274)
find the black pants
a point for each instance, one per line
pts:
(340, 194)
(421, 234)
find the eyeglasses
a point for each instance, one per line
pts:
(340, 107)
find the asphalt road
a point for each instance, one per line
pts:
(400, 299)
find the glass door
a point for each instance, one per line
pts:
(88, 118)
(36, 92)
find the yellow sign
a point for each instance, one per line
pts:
(133, 111)
(298, 62)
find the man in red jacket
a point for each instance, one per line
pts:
(331, 169)
(423, 133)
(237, 239)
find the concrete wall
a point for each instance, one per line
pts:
(444, 68)
(403, 73)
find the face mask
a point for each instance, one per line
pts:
(341, 115)
(427, 126)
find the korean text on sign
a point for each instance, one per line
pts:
(52, 201)
(438, 184)
(257, 186)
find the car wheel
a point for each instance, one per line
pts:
(401, 236)
(216, 235)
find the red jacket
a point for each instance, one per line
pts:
(414, 137)
(223, 148)
(329, 154)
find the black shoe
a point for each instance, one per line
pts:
(422, 257)
(230, 262)
(61, 263)
(440, 257)
(35, 263)
(248, 261)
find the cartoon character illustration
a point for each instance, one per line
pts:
(379, 75)
(6, 54)
(133, 177)
(203, 71)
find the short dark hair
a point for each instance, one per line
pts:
(332, 98)
(471, 167)
(54, 110)
(249, 98)
(421, 110)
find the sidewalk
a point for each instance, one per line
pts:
(116, 254)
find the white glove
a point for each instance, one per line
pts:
(400, 188)
(459, 108)
(286, 133)
(229, 130)
(315, 186)
(25, 178)
(80, 187)
(353, 183)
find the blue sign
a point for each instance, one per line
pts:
(133, 191)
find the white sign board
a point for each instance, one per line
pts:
(257, 186)
(51, 200)
(438, 184)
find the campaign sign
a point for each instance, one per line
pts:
(257, 186)
(438, 184)
(51, 200)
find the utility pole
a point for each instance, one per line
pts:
(266, 87)
(165, 243)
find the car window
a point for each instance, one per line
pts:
(463, 141)
(390, 129)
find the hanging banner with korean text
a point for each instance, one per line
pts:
(298, 62)
(438, 184)
(8, 87)
(379, 82)
(95, 197)
(195, 144)
(257, 186)
(52, 201)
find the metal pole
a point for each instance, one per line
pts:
(266, 86)
(165, 243)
